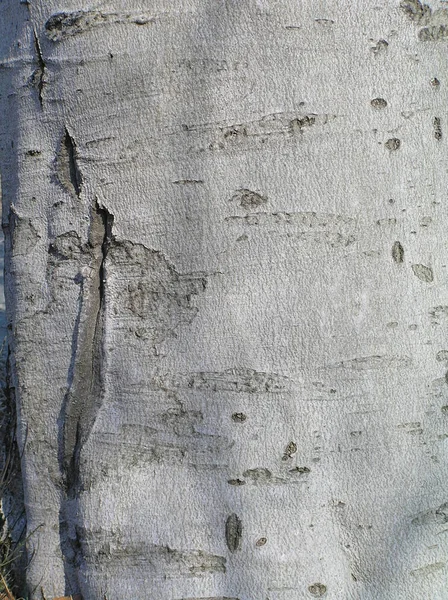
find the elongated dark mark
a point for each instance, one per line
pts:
(84, 395)
(67, 168)
(39, 73)
(74, 172)
(234, 531)
(398, 252)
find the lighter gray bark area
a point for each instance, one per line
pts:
(226, 286)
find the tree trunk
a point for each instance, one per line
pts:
(226, 291)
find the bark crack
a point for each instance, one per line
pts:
(67, 168)
(39, 73)
(85, 385)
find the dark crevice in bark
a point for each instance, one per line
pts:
(74, 172)
(85, 385)
(68, 172)
(13, 560)
(39, 74)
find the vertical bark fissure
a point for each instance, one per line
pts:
(40, 71)
(74, 172)
(84, 395)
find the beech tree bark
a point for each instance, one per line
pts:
(226, 269)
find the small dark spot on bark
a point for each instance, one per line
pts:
(378, 103)
(301, 122)
(435, 83)
(444, 408)
(236, 482)
(300, 470)
(433, 34)
(393, 144)
(234, 531)
(290, 450)
(261, 542)
(380, 47)
(33, 152)
(317, 590)
(239, 417)
(415, 10)
(248, 199)
(398, 252)
(259, 474)
(437, 124)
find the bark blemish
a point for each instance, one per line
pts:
(300, 123)
(39, 73)
(380, 47)
(83, 396)
(437, 125)
(378, 103)
(300, 470)
(239, 380)
(261, 542)
(290, 450)
(416, 11)
(154, 296)
(67, 169)
(428, 569)
(234, 532)
(398, 252)
(239, 417)
(64, 24)
(423, 273)
(392, 144)
(317, 590)
(248, 199)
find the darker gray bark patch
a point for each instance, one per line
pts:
(148, 291)
(423, 273)
(434, 516)
(234, 532)
(65, 24)
(415, 10)
(397, 252)
(248, 199)
(437, 126)
(158, 560)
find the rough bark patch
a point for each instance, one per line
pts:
(64, 24)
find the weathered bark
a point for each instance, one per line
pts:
(226, 266)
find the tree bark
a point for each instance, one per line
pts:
(226, 269)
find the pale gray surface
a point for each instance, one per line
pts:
(277, 176)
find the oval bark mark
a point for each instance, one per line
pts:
(423, 273)
(234, 531)
(398, 252)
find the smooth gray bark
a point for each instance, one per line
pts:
(226, 289)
